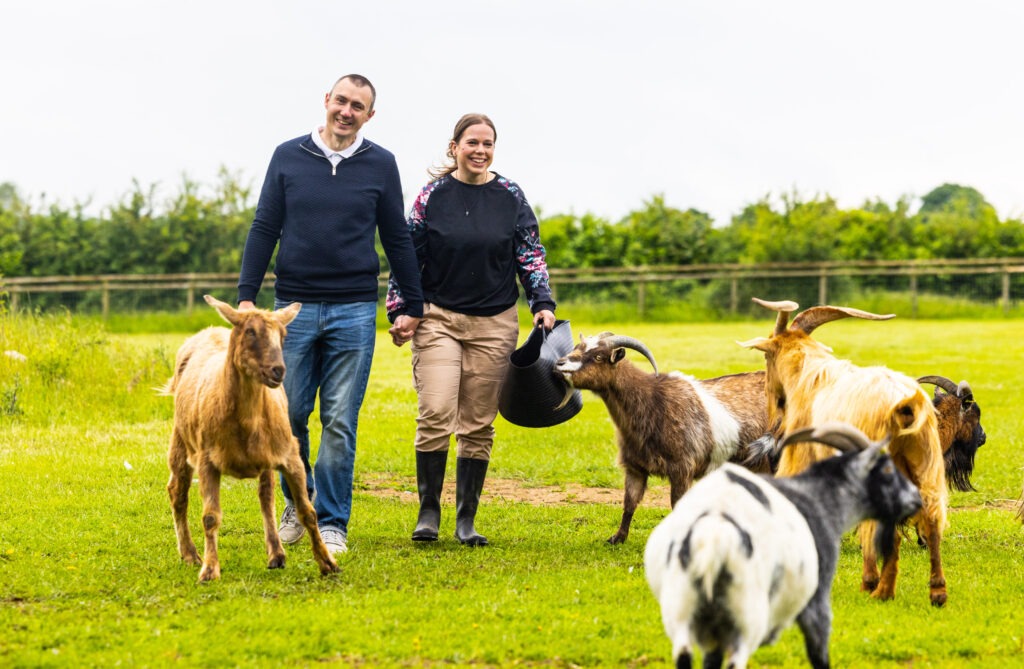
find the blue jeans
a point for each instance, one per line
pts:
(329, 347)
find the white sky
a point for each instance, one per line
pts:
(599, 104)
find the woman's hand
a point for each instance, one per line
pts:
(546, 317)
(403, 329)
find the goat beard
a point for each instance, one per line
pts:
(959, 462)
(885, 538)
(885, 535)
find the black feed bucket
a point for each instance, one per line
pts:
(532, 390)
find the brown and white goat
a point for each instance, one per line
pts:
(671, 425)
(806, 386)
(231, 417)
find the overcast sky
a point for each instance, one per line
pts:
(599, 104)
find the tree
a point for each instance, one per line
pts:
(662, 235)
(956, 222)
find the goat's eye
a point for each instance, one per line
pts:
(599, 358)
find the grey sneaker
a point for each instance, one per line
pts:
(335, 540)
(291, 530)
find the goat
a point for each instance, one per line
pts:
(806, 385)
(231, 417)
(741, 556)
(960, 430)
(671, 425)
(958, 419)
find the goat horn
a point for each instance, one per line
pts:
(629, 342)
(785, 307)
(941, 382)
(842, 436)
(815, 316)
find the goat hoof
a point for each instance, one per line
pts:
(883, 595)
(329, 568)
(868, 585)
(208, 573)
(938, 599)
(276, 562)
(616, 539)
(191, 558)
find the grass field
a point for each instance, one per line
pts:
(89, 573)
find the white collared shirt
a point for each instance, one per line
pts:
(336, 156)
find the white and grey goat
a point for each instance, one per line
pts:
(671, 425)
(741, 556)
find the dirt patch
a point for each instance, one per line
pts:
(404, 488)
(512, 490)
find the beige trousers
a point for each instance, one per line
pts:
(458, 366)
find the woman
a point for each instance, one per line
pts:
(474, 232)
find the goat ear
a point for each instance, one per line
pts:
(227, 312)
(760, 343)
(286, 315)
(617, 354)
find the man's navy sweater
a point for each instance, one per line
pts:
(324, 219)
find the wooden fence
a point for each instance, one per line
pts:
(1007, 271)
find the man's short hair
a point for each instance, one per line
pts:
(360, 80)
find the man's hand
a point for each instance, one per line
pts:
(403, 329)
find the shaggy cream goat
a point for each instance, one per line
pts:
(806, 385)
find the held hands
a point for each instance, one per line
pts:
(545, 317)
(403, 329)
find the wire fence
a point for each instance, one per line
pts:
(995, 284)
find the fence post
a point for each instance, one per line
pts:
(105, 297)
(823, 287)
(734, 294)
(190, 295)
(913, 295)
(1006, 293)
(641, 298)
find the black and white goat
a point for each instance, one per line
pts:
(741, 556)
(671, 425)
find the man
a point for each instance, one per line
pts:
(324, 196)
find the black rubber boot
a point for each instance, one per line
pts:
(469, 482)
(429, 481)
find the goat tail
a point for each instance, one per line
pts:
(166, 390)
(762, 454)
(716, 550)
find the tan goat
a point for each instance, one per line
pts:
(231, 417)
(806, 386)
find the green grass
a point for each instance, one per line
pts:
(89, 573)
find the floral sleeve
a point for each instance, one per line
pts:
(531, 262)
